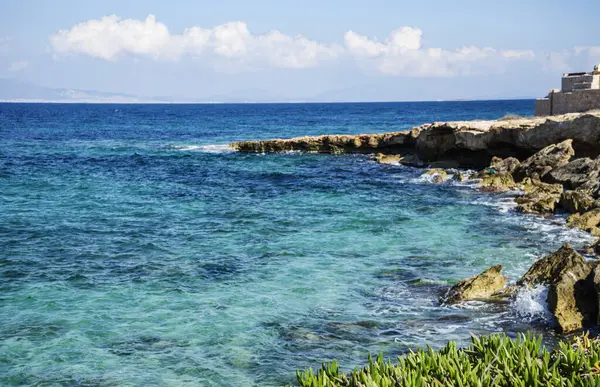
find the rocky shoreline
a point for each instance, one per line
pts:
(553, 161)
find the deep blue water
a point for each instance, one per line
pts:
(137, 250)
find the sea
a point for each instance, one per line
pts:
(138, 249)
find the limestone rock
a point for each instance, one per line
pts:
(575, 173)
(507, 165)
(544, 161)
(468, 144)
(478, 287)
(587, 221)
(592, 248)
(571, 297)
(548, 269)
(497, 182)
(576, 201)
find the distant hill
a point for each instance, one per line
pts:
(16, 90)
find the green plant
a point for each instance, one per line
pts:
(495, 360)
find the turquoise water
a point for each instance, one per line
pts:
(137, 250)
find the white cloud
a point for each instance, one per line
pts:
(233, 47)
(579, 58)
(18, 65)
(111, 37)
(402, 53)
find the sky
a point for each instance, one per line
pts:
(325, 50)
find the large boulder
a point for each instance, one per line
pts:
(539, 198)
(571, 296)
(573, 301)
(575, 173)
(544, 161)
(548, 269)
(587, 221)
(478, 287)
(576, 201)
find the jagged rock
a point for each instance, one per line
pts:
(544, 161)
(575, 173)
(571, 297)
(497, 182)
(507, 165)
(587, 221)
(437, 175)
(539, 198)
(576, 201)
(388, 159)
(548, 269)
(478, 287)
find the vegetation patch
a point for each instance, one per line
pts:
(495, 360)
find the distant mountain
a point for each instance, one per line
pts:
(16, 90)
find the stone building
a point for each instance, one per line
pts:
(579, 92)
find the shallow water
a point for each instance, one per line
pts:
(137, 250)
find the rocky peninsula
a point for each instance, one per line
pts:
(553, 162)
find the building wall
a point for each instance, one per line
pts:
(578, 101)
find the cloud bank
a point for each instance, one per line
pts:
(400, 54)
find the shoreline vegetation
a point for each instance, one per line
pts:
(554, 165)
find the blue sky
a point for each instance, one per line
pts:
(309, 50)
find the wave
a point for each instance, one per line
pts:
(213, 148)
(531, 304)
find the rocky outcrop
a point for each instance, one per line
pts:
(544, 161)
(466, 144)
(571, 296)
(362, 143)
(479, 287)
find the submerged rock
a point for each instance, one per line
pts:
(437, 175)
(459, 176)
(576, 201)
(388, 159)
(479, 287)
(544, 161)
(571, 296)
(587, 221)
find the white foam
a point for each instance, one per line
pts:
(216, 148)
(531, 304)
